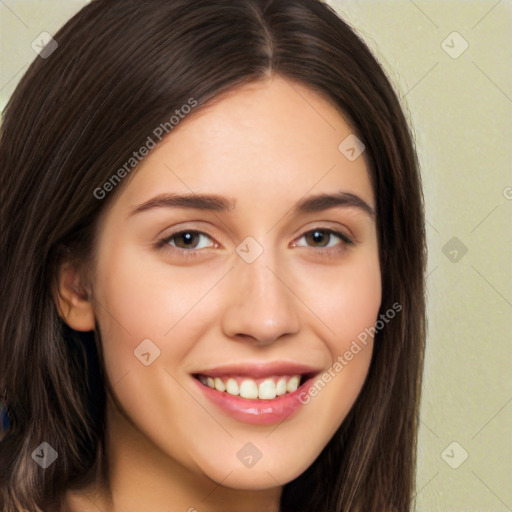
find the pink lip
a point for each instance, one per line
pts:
(259, 370)
(257, 412)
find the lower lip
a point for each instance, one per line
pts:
(257, 412)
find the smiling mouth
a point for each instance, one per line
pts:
(257, 393)
(267, 388)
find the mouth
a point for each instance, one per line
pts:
(259, 394)
(255, 388)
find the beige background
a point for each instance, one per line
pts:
(461, 112)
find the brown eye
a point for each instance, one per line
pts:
(324, 238)
(188, 240)
(318, 238)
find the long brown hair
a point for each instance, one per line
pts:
(121, 68)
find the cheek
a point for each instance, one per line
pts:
(347, 303)
(359, 298)
(345, 298)
(140, 299)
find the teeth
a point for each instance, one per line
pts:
(232, 387)
(293, 384)
(281, 386)
(219, 385)
(248, 389)
(267, 389)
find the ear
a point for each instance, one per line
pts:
(73, 300)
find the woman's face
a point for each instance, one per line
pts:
(243, 284)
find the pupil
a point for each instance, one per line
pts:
(187, 238)
(319, 237)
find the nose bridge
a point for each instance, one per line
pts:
(261, 306)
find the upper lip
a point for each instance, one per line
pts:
(260, 370)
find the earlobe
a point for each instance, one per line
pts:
(73, 300)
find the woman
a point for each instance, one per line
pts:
(212, 266)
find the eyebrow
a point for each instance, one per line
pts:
(217, 203)
(210, 202)
(322, 202)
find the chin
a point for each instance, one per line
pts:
(263, 475)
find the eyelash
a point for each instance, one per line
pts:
(164, 244)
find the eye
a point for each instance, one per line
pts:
(186, 240)
(323, 238)
(189, 242)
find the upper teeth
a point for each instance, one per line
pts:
(266, 389)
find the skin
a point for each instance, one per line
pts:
(266, 145)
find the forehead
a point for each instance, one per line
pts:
(264, 141)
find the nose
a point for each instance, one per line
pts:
(261, 307)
